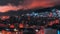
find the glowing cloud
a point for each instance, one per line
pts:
(27, 4)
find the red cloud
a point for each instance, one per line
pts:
(7, 8)
(30, 5)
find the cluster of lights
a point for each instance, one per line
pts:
(45, 14)
(15, 30)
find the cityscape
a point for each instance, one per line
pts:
(45, 22)
(29, 16)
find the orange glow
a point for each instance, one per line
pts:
(41, 31)
(11, 26)
(9, 33)
(3, 32)
(9, 7)
(4, 17)
(56, 21)
(51, 23)
(21, 25)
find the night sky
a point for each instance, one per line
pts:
(7, 5)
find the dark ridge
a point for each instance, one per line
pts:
(58, 7)
(37, 10)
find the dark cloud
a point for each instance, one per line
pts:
(13, 2)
